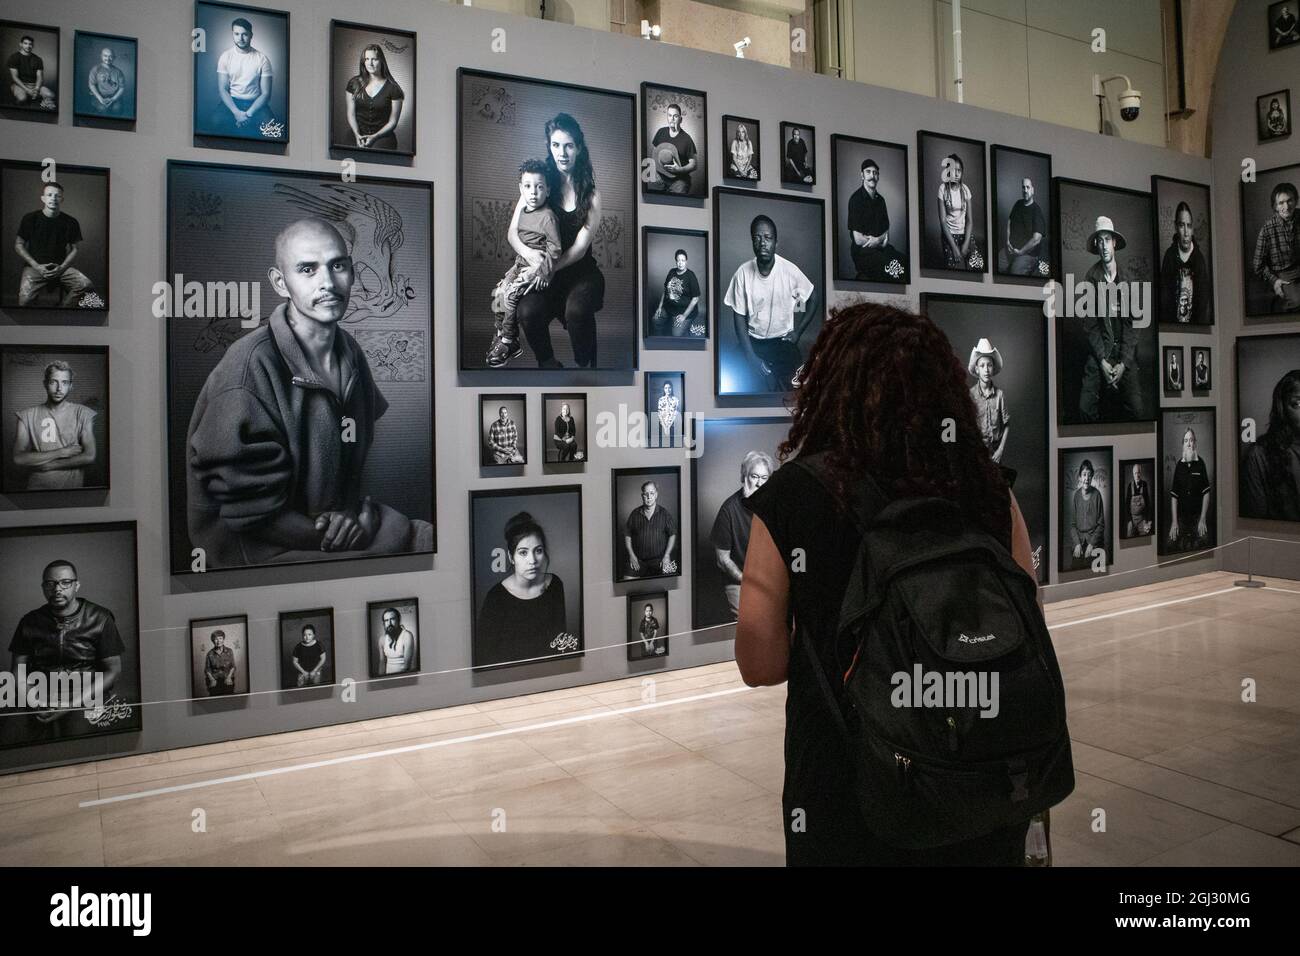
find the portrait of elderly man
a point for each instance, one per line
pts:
(650, 537)
(730, 534)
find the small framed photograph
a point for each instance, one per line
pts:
(1022, 212)
(372, 89)
(564, 428)
(307, 648)
(743, 149)
(503, 425)
(1187, 493)
(676, 306)
(1273, 115)
(31, 55)
(105, 68)
(954, 214)
(219, 656)
(798, 154)
(1185, 266)
(1283, 24)
(241, 77)
(1087, 527)
(1172, 365)
(647, 626)
(1202, 372)
(665, 405)
(674, 141)
(54, 417)
(393, 629)
(647, 511)
(868, 178)
(1137, 502)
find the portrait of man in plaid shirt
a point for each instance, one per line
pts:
(503, 440)
(1275, 251)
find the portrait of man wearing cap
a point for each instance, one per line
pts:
(1110, 372)
(990, 401)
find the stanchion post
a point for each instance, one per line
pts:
(1250, 581)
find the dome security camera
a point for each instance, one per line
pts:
(1130, 104)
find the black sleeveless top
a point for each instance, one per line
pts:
(571, 223)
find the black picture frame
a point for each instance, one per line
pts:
(1143, 525)
(621, 570)
(1173, 377)
(1181, 417)
(1268, 125)
(1166, 195)
(485, 403)
(341, 137)
(658, 649)
(730, 170)
(1069, 462)
(841, 248)
(1263, 371)
(373, 637)
(1285, 35)
(650, 97)
(582, 427)
(9, 483)
(788, 175)
(276, 127)
(81, 108)
(288, 642)
(42, 112)
(654, 381)
(1199, 384)
(655, 334)
(241, 686)
(1048, 265)
(1259, 301)
(933, 256)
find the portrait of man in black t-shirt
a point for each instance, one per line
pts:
(26, 84)
(874, 258)
(1283, 25)
(675, 156)
(47, 243)
(799, 164)
(1025, 244)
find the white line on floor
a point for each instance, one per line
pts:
(1269, 587)
(1134, 610)
(411, 748)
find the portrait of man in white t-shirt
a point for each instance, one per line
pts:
(241, 79)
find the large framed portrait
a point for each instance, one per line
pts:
(1022, 213)
(1283, 24)
(647, 523)
(674, 141)
(1002, 343)
(743, 145)
(1087, 521)
(665, 405)
(868, 179)
(503, 430)
(106, 68)
(1268, 413)
(526, 575)
(1273, 115)
(798, 154)
(55, 422)
(1202, 372)
(219, 656)
(736, 457)
(69, 598)
(241, 76)
(1188, 489)
(769, 289)
(565, 158)
(1107, 355)
(306, 648)
(393, 635)
(1172, 365)
(1184, 252)
(676, 307)
(55, 250)
(31, 58)
(564, 429)
(1137, 502)
(266, 466)
(1270, 260)
(647, 626)
(372, 89)
(954, 215)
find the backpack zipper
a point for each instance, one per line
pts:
(904, 765)
(952, 735)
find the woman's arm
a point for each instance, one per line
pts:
(762, 638)
(394, 115)
(582, 242)
(352, 117)
(1021, 548)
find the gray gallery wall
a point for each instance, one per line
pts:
(449, 37)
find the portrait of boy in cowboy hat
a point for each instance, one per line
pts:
(990, 401)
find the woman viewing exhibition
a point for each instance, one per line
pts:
(523, 613)
(575, 291)
(877, 387)
(374, 102)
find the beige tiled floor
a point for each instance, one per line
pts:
(1180, 769)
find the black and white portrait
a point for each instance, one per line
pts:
(1171, 365)
(770, 289)
(1186, 497)
(1087, 528)
(954, 214)
(742, 149)
(219, 656)
(54, 248)
(872, 221)
(1270, 252)
(1273, 115)
(1201, 373)
(675, 286)
(564, 428)
(1283, 24)
(306, 648)
(241, 76)
(647, 626)
(1268, 410)
(372, 89)
(1137, 499)
(1022, 213)
(1002, 343)
(674, 141)
(665, 407)
(31, 59)
(69, 616)
(104, 73)
(547, 187)
(300, 422)
(737, 457)
(55, 422)
(1106, 335)
(526, 574)
(503, 430)
(393, 635)
(798, 154)
(647, 523)
(1184, 252)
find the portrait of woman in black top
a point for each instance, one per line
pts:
(565, 435)
(1270, 468)
(375, 101)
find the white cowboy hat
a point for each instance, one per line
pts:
(984, 347)
(1105, 225)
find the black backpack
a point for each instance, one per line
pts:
(931, 595)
